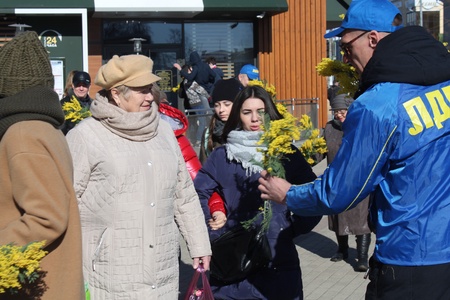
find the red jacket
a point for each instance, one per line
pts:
(179, 123)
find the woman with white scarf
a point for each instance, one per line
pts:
(230, 170)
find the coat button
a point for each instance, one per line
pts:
(151, 246)
(149, 163)
(153, 287)
(152, 204)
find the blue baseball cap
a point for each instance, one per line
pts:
(368, 15)
(251, 71)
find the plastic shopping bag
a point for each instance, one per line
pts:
(196, 292)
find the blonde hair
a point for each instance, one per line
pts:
(69, 82)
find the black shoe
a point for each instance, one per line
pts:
(362, 266)
(362, 247)
(338, 256)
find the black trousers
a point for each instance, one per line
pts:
(388, 282)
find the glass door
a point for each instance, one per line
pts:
(163, 60)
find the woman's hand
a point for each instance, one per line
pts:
(218, 220)
(204, 260)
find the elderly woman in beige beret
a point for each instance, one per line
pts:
(134, 191)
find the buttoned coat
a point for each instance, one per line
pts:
(133, 197)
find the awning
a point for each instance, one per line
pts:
(200, 9)
(148, 8)
(236, 5)
(10, 6)
(334, 9)
(244, 8)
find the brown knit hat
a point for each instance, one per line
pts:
(129, 70)
(24, 63)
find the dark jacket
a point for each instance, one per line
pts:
(86, 102)
(201, 72)
(282, 280)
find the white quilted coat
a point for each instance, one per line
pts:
(133, 194)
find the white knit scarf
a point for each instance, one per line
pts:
(242, 147)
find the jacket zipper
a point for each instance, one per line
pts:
(97, 250)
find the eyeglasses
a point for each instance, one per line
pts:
(345, 47)
(341, 112)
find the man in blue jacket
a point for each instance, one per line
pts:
(396, 144)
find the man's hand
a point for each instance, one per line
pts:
(204, 260)
(273, 188)
(218, 220)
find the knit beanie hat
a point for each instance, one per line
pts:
(341, 101)
(24, 63)
(225, 89)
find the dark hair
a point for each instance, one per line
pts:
(234, 120)
(186, 67)
(211, 126)
(211, 60)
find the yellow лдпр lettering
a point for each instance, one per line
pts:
(441, 111)
(420, 116)
(411, 106)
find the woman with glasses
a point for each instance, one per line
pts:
(354, 221)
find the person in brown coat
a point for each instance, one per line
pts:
(353, 221)
(37, 197)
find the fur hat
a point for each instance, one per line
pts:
(24, 63)
(341, 101)
(129, 70)
(225, 89)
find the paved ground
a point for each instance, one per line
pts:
(322, 279)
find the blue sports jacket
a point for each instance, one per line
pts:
(396, 144)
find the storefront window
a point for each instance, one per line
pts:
(230, 43)
(153, 32)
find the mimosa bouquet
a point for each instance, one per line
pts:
(74, 111)
(314, 145)
(20, 268)
(277, 138)
(344, 73)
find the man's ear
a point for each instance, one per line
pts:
(374, 38)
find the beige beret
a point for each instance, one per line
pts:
(129, 70)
